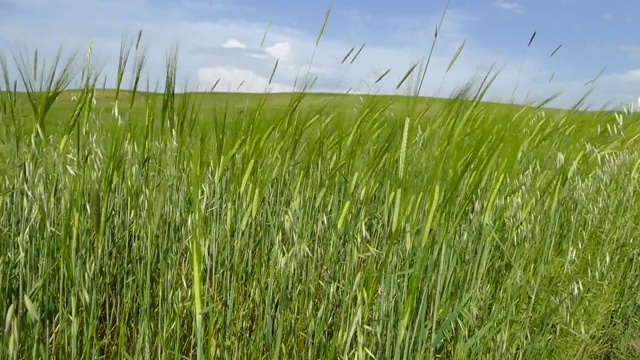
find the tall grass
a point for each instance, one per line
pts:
(391, 229)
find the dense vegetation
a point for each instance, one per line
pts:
(163, 225)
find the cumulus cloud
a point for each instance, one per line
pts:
(229, 78)
(259, 56)
(509, 6)
(631, 75)
(632, 51)
(280, 50)
(237, 62)
(234, 44)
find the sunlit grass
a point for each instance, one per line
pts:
(311, 226)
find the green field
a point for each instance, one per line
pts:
(313, 226)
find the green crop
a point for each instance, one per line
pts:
(138, 224)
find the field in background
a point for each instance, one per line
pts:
(314, 226)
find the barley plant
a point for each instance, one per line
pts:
(153, 224)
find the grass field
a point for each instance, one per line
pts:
(313, 226)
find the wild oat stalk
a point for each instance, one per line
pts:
(312, 226)
(43, 90)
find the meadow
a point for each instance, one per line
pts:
(160, 225)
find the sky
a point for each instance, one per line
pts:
(220, 42)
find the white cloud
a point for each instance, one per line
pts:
(509, 6)
(280, 50)
(229, 78)
(613, 89)
(259, 56)
(619, 88)
(234, 44)
(632, 51)
(203, 64)
(630, 76)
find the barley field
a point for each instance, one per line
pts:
(142, 223)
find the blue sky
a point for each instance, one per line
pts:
(220, 39)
